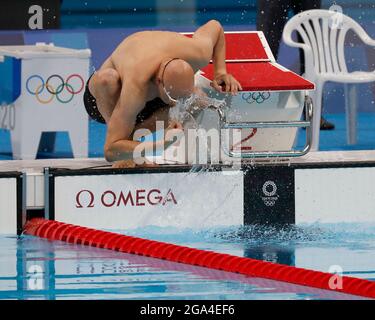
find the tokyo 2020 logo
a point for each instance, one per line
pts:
(269, 189)
(54, 86)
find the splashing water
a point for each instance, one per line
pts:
(189, 111)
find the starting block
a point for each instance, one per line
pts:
(266, 113)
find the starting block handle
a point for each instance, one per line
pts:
(268, 124)
(308, 109)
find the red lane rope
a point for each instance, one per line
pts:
(54, 230)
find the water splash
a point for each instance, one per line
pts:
(331, 235)
(260, 234)
(189, 111)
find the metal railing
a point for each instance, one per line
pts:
(308, 109)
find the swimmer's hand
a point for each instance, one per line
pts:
(174, 125)
(226, 83)
(173, 132)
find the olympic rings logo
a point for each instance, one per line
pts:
(258, 97)
(273, 188)
(53, 89)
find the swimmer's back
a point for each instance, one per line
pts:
(147, 49)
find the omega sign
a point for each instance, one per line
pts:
(130, 198)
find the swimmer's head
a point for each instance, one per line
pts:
(175, 80)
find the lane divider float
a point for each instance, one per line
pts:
(54, 230)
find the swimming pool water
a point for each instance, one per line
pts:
(32, 268)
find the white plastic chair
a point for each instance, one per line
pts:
(323, 34)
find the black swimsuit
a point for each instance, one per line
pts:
(93, 111)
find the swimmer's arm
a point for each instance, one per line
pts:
(118, 144)
(212, 41)
(211, 38)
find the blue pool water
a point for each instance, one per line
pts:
(32, 268)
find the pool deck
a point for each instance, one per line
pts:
(337, 157)
(35, 176)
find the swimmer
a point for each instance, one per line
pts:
(144, 77)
